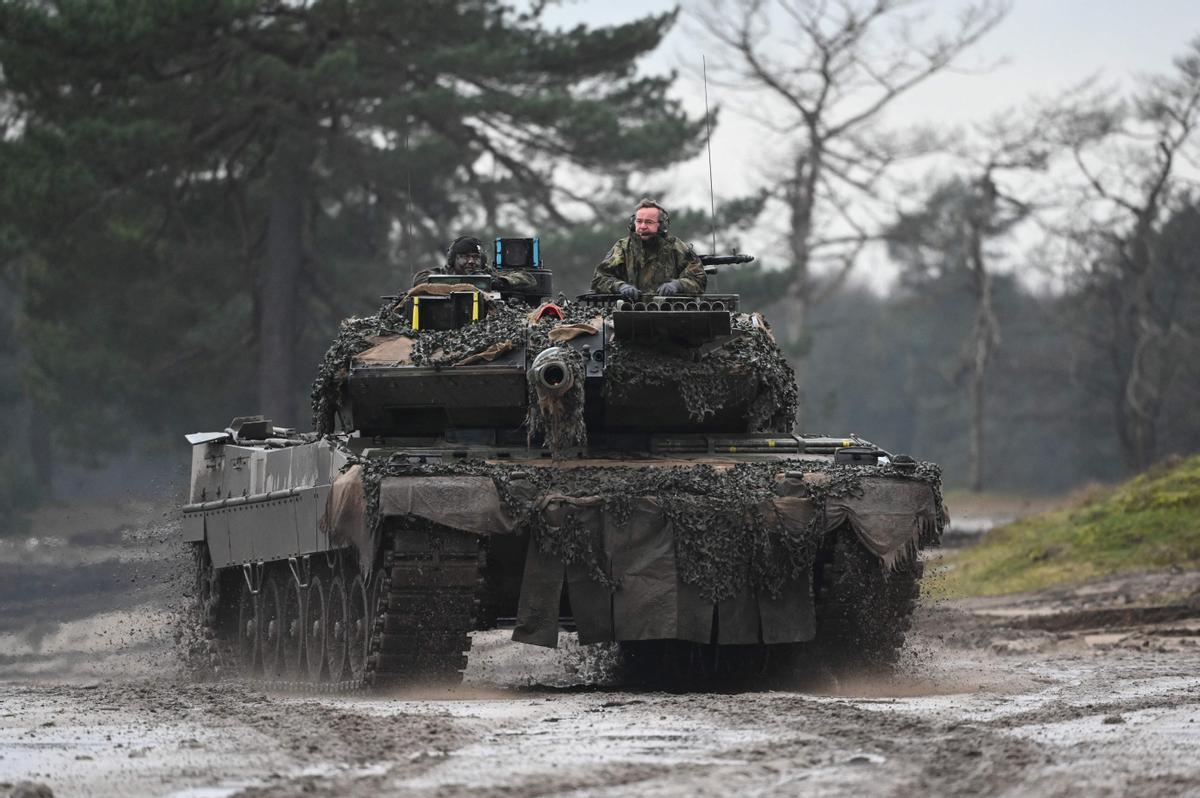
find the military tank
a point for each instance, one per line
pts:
(623, 469)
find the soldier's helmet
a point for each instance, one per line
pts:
(464, 250)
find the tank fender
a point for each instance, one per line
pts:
(463, 502)
(892, 517)
(468, 503)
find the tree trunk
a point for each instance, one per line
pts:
(1141, 400)
(278, 288)
(30, 435)
(801, 195)
(1148, 370)
(985, 334)
(976, 443)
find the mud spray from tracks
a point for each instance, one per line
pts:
(99, 591)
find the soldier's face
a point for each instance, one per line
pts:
(468, 263)
(645, 223)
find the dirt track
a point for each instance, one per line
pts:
(1061, 693)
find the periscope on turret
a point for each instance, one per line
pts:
(486, 458)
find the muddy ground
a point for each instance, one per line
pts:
(1094, 690)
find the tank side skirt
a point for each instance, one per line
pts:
(271, 526)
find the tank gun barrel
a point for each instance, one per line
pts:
(550, 373)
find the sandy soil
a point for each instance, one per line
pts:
(1094, 690)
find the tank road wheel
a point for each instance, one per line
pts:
(291, 629)
(249, 631)
(360, 622)
(315, 629)
(337, 630)
(271, 606)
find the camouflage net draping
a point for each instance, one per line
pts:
(558, 420)
(504, 322)
(353, 337)
(749, 369)
(724, 543)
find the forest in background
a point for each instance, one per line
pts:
(194, 192)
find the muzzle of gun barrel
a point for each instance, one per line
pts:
(550, 373)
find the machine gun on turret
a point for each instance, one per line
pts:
(711, 262)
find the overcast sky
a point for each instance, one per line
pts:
(1042, 47)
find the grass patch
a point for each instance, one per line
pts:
(1150, 522)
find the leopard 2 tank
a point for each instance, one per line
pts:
(624, 469)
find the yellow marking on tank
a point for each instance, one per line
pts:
(475, 306)
(845, 443)
(733, 450)
(416, 322)
(771, 444)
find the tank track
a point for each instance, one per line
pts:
(863, 613)
(675, 665)
(428, 586)
(422, 606)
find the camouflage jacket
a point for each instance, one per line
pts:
(648, 267)
(511, 279)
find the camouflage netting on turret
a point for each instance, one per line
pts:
(504, 322)
(748, 370)
(354, 336)
(725, 540)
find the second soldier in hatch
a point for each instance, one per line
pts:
(465, 255)
(648, 261)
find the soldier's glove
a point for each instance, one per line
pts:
(669, 288)
(499, 283)
(628, 291)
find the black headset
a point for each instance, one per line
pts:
(664, 218)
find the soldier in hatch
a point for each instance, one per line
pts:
(465, 255)
(648, 260)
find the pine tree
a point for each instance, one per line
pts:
(198, 183)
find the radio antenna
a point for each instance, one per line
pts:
(712, 199)
(408, 204)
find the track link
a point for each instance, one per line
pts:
(426, 606)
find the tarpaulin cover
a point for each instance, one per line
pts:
(568, 332)
(345, 519)
(460, 502)
(439, 289)
(888, 517)
(388, 349)
(652, 602)
(488, 355)
(469, 503)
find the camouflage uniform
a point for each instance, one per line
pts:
(647, 266)
(508, 280)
